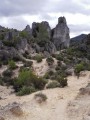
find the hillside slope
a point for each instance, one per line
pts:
(55, 108)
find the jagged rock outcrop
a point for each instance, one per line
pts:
(41, 28)
(28, 30)
(11, 34)
(60, 34)
(42, 33)
(38, 39)
(8, 53)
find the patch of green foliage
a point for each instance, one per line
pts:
(29, 79)
(12, 65)
(53, 84)
(42, 35)
(50, 61)
(23, 34)
(79, 67)
(38, 58)
(25, 90)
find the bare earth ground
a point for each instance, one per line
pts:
(58, 105)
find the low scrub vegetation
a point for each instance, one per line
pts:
(62, 81)
(31, 82)
(53, 84)
(40, 97)
(38, 58)
(79, 67)
(12, 65)
(50, 61)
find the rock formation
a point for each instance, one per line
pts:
(28, 30)
(60, 35)
(38, 39)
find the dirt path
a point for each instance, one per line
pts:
(55, 107)
(42, 67)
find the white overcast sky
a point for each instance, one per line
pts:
(19, 13)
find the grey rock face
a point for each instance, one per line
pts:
(11, 34)
(50, 47)
(60, 35)
(8, 53)
(28, 30)
(22, 45)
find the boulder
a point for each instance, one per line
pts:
(60, 34)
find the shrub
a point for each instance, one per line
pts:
(8, 73)
(28, 64)
(46, 76)
(38, 58)
(50, 61)
(40, 97)
(59, 57)
(12, 64)
(49, 74)
(28, 78)
(79, 67)
(53, 84)
(62, 81)
(25, 90)
(23, 34)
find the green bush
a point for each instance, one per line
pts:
(53, 84)
(62, 81)
(25, 90)
(48, 74)
(28, 78)
(42, 97)
(38, 58)
(79, 67)
(50, 61)
(59, 57)
(23, 34)
(12, 64)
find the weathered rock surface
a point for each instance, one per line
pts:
(10, 35)
(50, 47)
(38, 39)
(28, 30)
(60, 35)
(38, 28)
